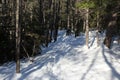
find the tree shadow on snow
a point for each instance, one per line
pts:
(117, 56)
(56, 55)
(114, 72)
(91, 42)
(37, 66)
(90, 66)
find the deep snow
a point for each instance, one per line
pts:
(69, 59)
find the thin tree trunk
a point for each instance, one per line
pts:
(87, 28)
(57, 19)
(68, 24)
(17, 37)
(97, 33)
(68, 18)
(51, 22)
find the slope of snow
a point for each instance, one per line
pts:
(69, 59)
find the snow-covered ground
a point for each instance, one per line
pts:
(69, 59)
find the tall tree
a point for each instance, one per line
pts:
(87, 27)
(68, 17)
(18, 36)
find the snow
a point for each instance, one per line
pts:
(69, 59)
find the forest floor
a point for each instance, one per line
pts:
(69, 59)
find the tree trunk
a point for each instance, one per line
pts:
(57, 19)
(68, 18)
(87, 28)
(97, 33)
(17, 37)
(111, 30)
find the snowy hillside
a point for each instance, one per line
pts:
(69, 59)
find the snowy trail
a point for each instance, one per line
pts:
(69, 59)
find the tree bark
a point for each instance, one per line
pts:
(68, 18)
(97, 33)
(87, 28)
(17, 37)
